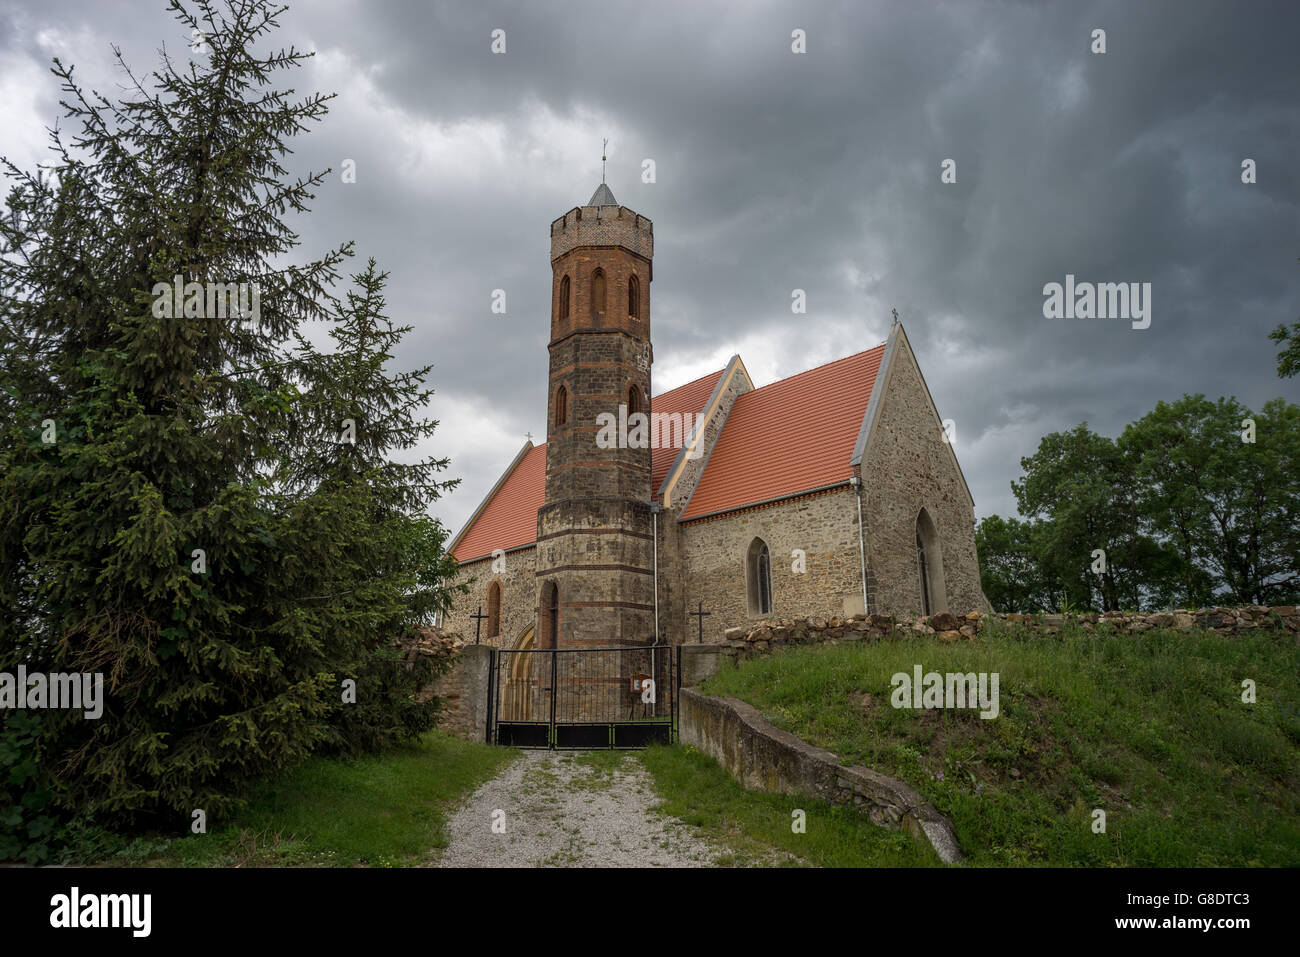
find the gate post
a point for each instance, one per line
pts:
(677, 690)
(491, 695)
(554, 694)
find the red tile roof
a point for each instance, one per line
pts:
(792, 436)
(509, 519)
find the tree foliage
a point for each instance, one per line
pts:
(1195, 503)
(1288, 359)
(195, 530)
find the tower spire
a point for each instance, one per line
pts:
(603, 143)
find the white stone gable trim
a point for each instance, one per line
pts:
(873, 403)
(734, 367)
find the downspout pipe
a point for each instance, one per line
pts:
(654, 511)
(654, 657)
(862, 542)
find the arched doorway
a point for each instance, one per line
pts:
(518, 697)
(929, 561)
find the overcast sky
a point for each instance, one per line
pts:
(775, 171)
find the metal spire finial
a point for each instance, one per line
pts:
(603, 143)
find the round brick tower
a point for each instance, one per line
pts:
(594, 553)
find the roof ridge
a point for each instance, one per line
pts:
(675, 388)
(805, 372)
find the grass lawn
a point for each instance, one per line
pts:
(379, 810)
(1150, 728)
(757, 826)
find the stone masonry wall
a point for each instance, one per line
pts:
(674, 590)
(714, 554)
(519, 592)
(908, 466)
(771, 634)
(760, 755)
(464, 693)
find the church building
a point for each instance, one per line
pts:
(648, 518)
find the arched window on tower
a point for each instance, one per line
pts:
(494, 610)
(550, 615)
(758, 578)
(564, 298)
(598, 292)
(634, 298)
(561, 405)
(634, 403)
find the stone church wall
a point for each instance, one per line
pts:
(908, 466)
(674, 589)
(714, 554)
(518, 597)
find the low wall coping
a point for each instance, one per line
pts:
(819, 772)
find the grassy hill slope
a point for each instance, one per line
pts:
(1151, 729)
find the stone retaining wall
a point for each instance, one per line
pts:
(759, 755)
(773, 633)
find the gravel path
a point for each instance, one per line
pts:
(571, 809)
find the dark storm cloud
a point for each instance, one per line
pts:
(819, 172)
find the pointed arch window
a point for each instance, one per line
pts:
(929, 561)
(561, 405)
(564, 298)
(925, 574)
(550, 615)
(494, 610)
(634, 403)
(758, 578)
(634, 298)
(598, 292)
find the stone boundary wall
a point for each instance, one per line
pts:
(759, 755)
(777, 632)
(464, 690)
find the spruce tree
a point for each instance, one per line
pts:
(165, 518)
(387, 576)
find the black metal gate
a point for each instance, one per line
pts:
(583, 697)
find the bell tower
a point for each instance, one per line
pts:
(594, 553)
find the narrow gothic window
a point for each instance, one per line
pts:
(758, 575)
(550, 615)
(494, 610)
(561, 405)
(633, 400)
(564, 298)
(925, 574)
(929, 561)
(598, 292)
(634, 298)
